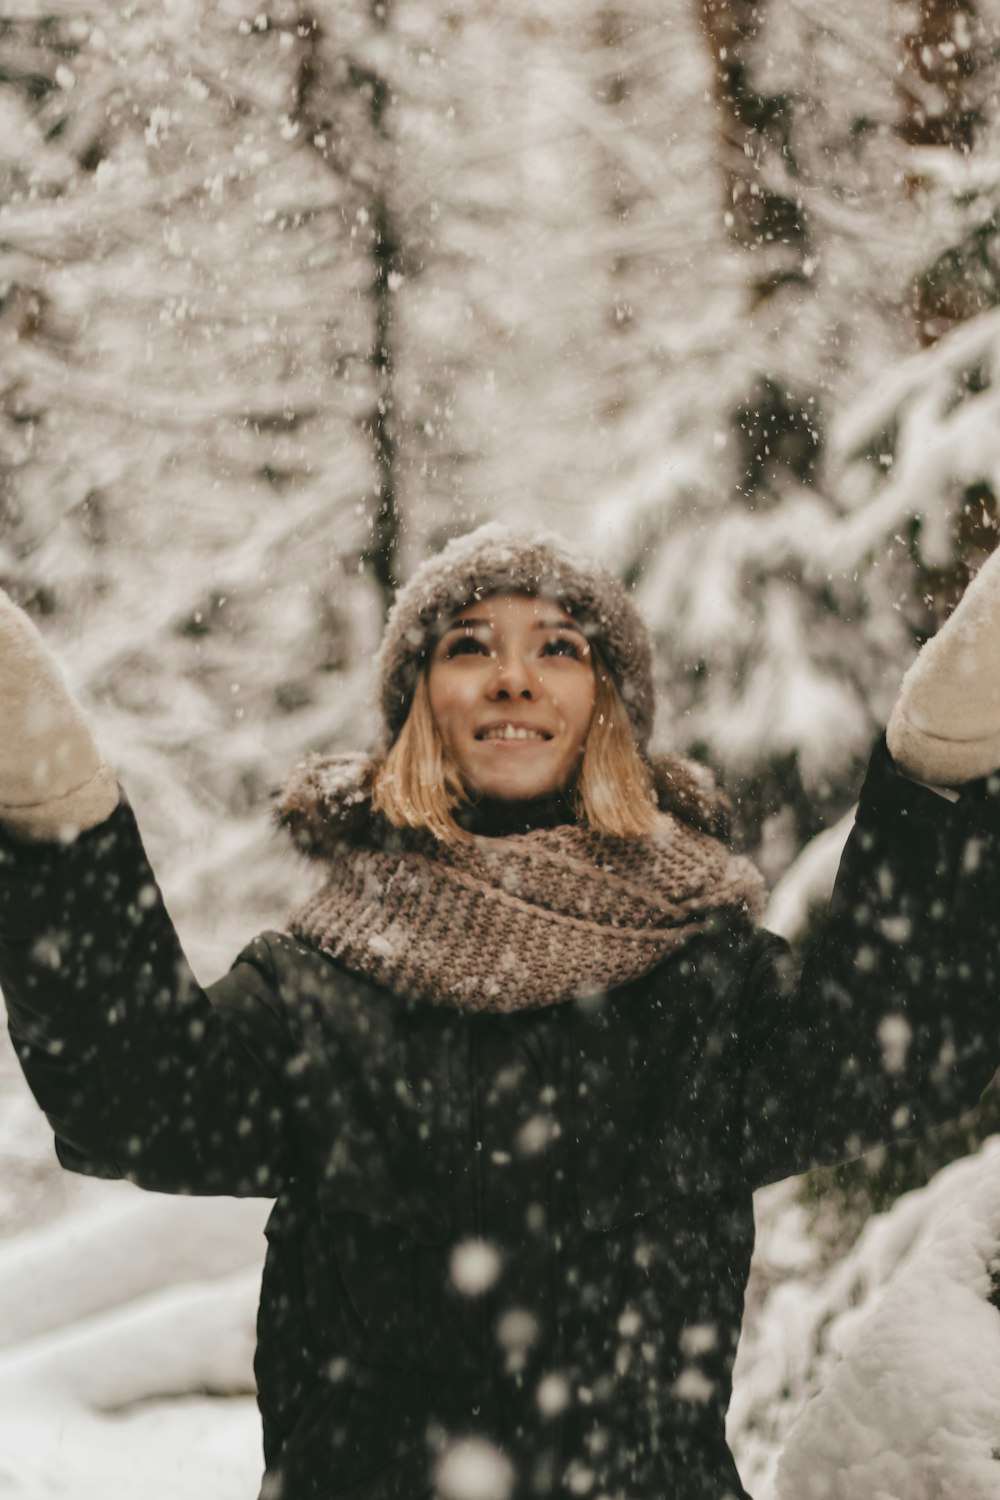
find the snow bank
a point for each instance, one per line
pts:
(123, 1248)
(882, 1380)
(910, 1411)
(119, 1324)
(176, 1342)
(195, 1449)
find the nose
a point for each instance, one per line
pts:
(512, 678)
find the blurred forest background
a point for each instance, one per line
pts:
(289, 295)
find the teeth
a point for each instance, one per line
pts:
(509, 732)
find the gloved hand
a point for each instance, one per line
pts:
(945, 727)
(53, 782)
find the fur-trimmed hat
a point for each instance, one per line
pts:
(497, 559)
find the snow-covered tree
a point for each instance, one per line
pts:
(291, 293)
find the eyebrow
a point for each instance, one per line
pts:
(469, 622)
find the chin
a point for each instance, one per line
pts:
(516, 782)
(518, 791)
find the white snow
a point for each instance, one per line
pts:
(127, 1345)
(553, 1394)
(99, 1257)
(807, 884)
(472, 1469)
(474, 1267)
(186, 326)
(881, 1380)
(909, 1409)
(194, 1447)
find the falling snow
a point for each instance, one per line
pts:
(722, 302)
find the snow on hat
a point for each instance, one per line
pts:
(496, 559)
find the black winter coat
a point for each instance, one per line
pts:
(607, 1150)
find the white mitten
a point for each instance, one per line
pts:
(53, 783)
(945, 727)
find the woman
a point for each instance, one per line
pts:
(514, 1072)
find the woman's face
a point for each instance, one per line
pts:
(511, 686)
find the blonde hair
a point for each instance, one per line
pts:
(417, 785)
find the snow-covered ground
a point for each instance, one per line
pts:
(145, 1384)
(192, 1449)
(126, 1333)
(188, 335)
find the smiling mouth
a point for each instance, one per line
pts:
(512, 732)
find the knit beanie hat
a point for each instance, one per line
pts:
(496, 559)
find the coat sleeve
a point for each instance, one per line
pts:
(893, 1023)
(141, 1073)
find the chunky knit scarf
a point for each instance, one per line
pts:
(502, 924)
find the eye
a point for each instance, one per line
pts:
(466, 645)
(563, 645)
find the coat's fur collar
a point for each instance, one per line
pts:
(326, 800)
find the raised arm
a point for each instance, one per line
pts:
(141, 1072)
(894, 1023)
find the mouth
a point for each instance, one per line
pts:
(508, 733)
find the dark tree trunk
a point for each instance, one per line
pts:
(941, 63)
(343, 110)
(763, 211)
(944, 57)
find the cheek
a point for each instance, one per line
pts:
(447, 703)
(439, 712)
(576, 709)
